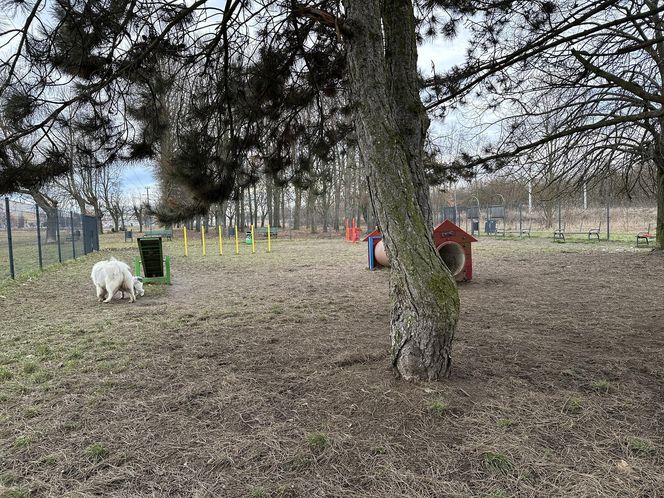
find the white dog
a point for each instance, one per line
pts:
(112, 276)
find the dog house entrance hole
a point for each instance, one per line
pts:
(453, 256)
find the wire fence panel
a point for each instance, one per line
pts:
(23, 219)
(32, 238)
(48, 236)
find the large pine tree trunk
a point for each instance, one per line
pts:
(424, 296)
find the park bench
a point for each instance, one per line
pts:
(647, 235)
(166, 233)
(560, 233)
(262, 231)
(520, 233)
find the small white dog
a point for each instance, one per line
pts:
(114, 276)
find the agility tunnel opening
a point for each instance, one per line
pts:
(453, 256)
(451, 253)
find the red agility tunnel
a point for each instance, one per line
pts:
(452, 243)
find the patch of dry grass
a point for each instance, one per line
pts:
(267, 375)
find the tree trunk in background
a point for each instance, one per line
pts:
(255, 219)
(311, 210)
(221, 214)
(283, 207)
(325, 207)
(268, 195)
(348, 182)
(338, 182)
(297, 208)
(240, 207)
(275, 206)
(659, 242)
(425, 303)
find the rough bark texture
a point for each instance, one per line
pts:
(424, 294)
(403, 86)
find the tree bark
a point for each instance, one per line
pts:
(404, 89)
(425, 304)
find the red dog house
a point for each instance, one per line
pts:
(453, 245)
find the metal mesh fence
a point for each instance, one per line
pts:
(622, 218)
(32, 238)
(23, 220)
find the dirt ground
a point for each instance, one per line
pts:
(267, 375)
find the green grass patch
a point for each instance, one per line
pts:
(7, 479)
(96, 452)
(504, 422)
(258, 492)
(5, 374)
(497, 494)
(574, 405)
(22, 442)
(41, 377)
(30, 367)
(317, 441)
(75, 354)
(497, 462)
(16, 493)
(43, 351)
(49, 459)
(30, 412)
(640, 447)
(602, 386)
(438, 407)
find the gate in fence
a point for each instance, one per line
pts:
(90, 234)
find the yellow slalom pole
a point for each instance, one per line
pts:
(221, 241)
(203, 239)
(186, 247)
(237, 247)
(253, 240)
(269, 243)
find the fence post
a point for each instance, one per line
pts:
(57, 232)
(39, 245)
(9, 239)
(73, 238)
